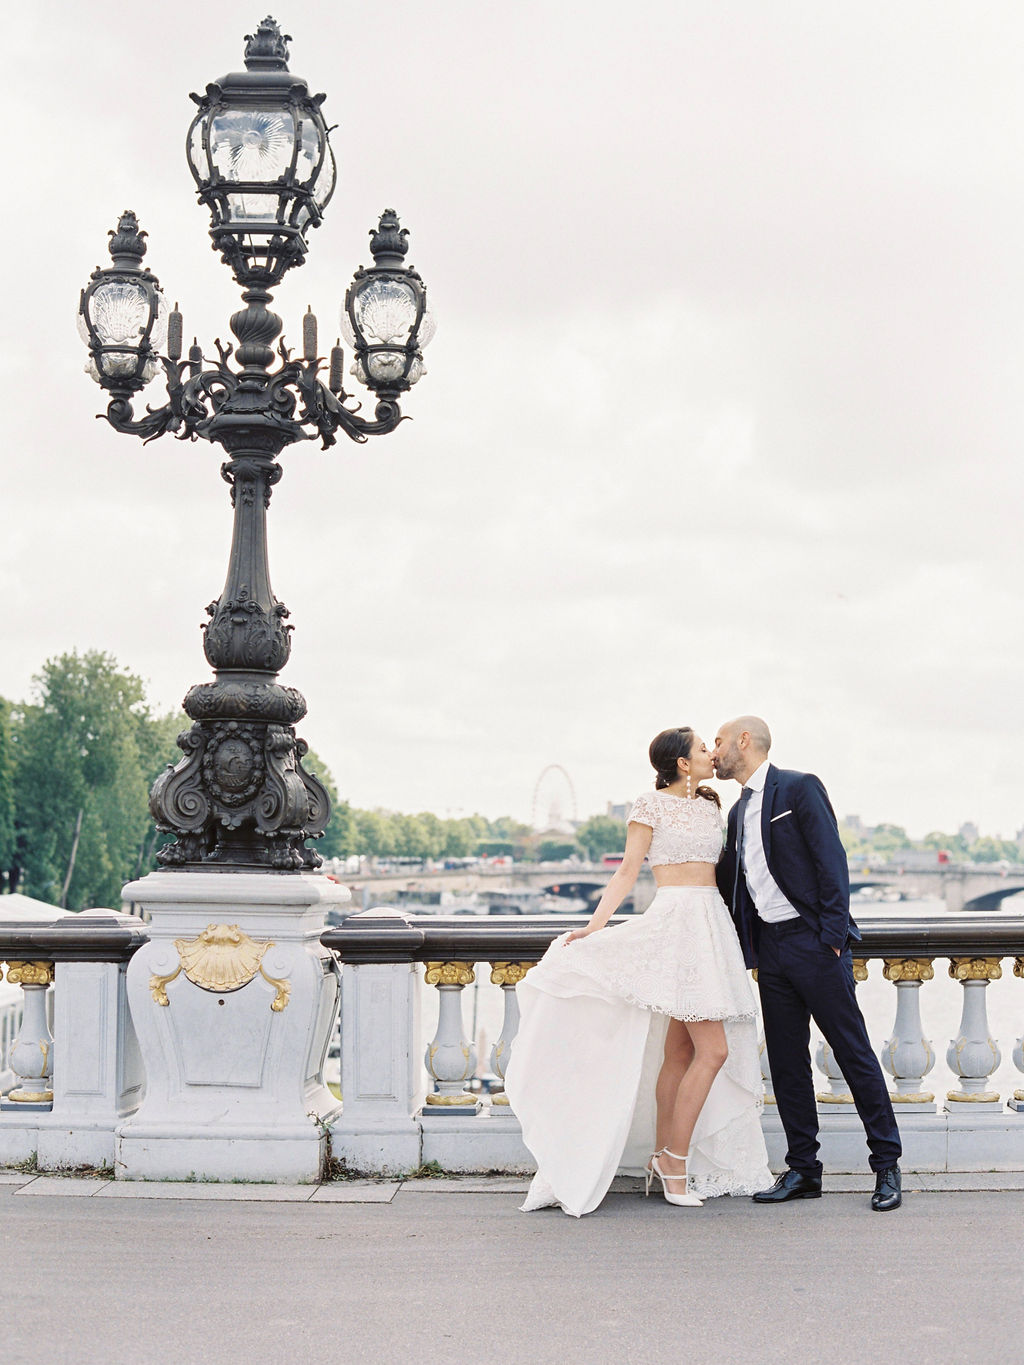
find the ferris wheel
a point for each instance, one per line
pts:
(554, 800)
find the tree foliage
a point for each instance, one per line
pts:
(7, 831)
(885, 843)
(86, 749)
(600, 835)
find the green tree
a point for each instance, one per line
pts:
(989, 850)
(7, 826)
(340, 837)
(888, 839)
(555, 850)
(84, 753)
(375, 834)
(601, 834)
(495, 848)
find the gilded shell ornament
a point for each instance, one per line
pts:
(223, 957)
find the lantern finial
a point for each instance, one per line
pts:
(127, 241)
(267, 48)
(387, 240)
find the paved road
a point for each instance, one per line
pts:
(443, 1274)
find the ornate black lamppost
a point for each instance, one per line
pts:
(258, 149)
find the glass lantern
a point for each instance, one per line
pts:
(259, 153)
(122, 316)
(385, 318)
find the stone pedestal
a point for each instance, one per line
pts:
(98, 1076)
(382, 1078)
(233, 1000)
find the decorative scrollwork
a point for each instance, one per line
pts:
(245, 701)
(242, 633)
(30, 973)
(975, 968)
(449, 974)
(908, 969)
(509, 973)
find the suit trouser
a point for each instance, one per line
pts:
(799, 979)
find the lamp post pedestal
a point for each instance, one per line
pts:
(233, 1000)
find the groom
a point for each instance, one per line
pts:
(785, 879)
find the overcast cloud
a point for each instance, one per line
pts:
(722, 414)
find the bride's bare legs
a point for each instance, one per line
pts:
(679, 1054)
(710, 1051)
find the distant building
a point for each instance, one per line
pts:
(968, 832)
(616, 812)
(854, 824)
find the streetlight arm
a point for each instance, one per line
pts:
(194, 405)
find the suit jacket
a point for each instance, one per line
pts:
(804, 855)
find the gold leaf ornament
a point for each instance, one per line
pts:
(223, 958)
(30, 973)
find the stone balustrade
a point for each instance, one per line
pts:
(74, 1074)
(399, 1112)
(69, 1047)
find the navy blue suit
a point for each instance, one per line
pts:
(800, 977)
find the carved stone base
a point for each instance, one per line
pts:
(240, 797)
(233, 1000)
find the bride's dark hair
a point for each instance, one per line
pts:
(665, 751)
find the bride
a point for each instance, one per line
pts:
(638, 1044)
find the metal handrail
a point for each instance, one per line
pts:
(95, 940)
(392, 936)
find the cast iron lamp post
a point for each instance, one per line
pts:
(259, 151)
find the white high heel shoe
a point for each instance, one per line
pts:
(687, 1200)
(650, 1172)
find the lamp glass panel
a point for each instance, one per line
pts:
(428, 327)
(196, 154)
(253, 208)
(385, 311)
(252, 146)
(309, 152)
(119, 312)
(386, 367)
(323, 185)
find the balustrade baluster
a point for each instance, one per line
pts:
(1017, 1102)
(451, 1056)
(507, 975)
(31, 1052)
(908, 1055)
(973, 1055)
(838, 1097)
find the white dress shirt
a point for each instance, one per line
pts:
(772, 905)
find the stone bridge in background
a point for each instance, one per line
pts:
(961, 887)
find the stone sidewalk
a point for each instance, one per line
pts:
(385, 1191)
(101, 1271)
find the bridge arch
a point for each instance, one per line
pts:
(993, 900)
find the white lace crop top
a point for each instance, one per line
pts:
(685, 830)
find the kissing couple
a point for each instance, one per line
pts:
(637, 1048)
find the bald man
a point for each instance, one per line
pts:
(785, 879)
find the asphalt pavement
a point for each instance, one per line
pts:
(104, 1271)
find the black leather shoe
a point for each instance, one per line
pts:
(888, 1190)
(791, 1185)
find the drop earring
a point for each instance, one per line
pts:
(687, 786)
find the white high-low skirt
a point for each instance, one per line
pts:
(585, 1061)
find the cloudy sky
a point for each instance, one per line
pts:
(723, 412)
